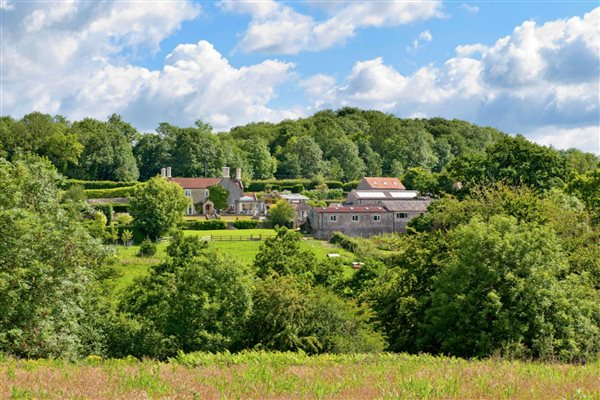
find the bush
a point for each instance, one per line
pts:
(188, 225)
(248, 224)
(345, 242)
(147, 248)
(334, 184)
(350, 186)
(110, 193)
(107, 210)
(99, 184)
(138, 236)
(211, 225)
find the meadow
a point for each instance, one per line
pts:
(129, 266)
(259, 375)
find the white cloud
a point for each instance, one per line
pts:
(75, 59)
(278, 28)
(586, 138)
(539, 76)
(6, 5)
(416, 44)
(471, 9)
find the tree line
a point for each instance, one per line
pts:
(342, 145)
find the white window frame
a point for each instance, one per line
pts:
(377, 218)
(355, 218)
(333, 218)
(188, 192)
(206, 193)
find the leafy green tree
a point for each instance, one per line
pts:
(262, 163)
(309, 155)
(218, 195)
(107, 153)
(587, 188)
(157, 206)
(420, 179)
(152, 152)
(289, 315)
(126, 237)
(283, 255)
(282, 214)
(52, 272)
(504, 289)
(198, 300)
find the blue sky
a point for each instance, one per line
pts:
(528, 67)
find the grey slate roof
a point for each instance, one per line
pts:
(407, 205)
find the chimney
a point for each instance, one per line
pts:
(163, 173)
(168, 172)
(238, 174)
(226, 172)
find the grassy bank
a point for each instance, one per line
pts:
(289, 375)
(130, 266)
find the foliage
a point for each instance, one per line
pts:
(245, 224)
(51, 269)
(126, 237)
(218, 195)
(87, 185)
(210, 225)
(126, 191)
(195, 301)
(157, 206)
(147, 248)
(290, 315)
(283, 255)
(282, 214)
(587, 188)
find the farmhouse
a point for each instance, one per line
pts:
(198, 190)
(378, 205)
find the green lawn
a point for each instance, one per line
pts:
(130, 266)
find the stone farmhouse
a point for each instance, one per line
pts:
(378, 205)
(198, 190)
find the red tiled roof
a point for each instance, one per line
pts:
(196, 183)
(351, 209)
(384, 183)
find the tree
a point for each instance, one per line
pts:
(309, 156)
(152, 153)
(198, 300)
(504, 289)
(52, 272)
(262, 163)
(107, 153)
(290, 315)
(157, 206)
(282, 214)
(126, 237)
(218, 195)
(283, 255)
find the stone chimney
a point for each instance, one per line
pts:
(163, 173)
(168, 172)
(238, 174)
(225, 173)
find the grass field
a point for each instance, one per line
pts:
(130, 266)
(259, 375)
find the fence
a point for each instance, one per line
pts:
(235, 238)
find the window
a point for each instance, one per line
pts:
(206, 193)
(189, 210)
(401, 216)
(188, 192)
(332, 218)
(377, 218)
(355, 218)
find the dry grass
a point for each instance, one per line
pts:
(292, 376)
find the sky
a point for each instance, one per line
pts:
(529, 67)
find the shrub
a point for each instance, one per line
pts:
(334, 184)
(248, 224)
(147, 248)
(120, 207)
(99, 184)
(345, 242)
(211, 225)
(110, 193)
(107, 210)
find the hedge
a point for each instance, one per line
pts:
(120, 207)
(295, 184)
(344, 242)
(247, 224)
(211, 225)
(99, 184)
(109, 193)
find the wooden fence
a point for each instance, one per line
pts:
(235, 238)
